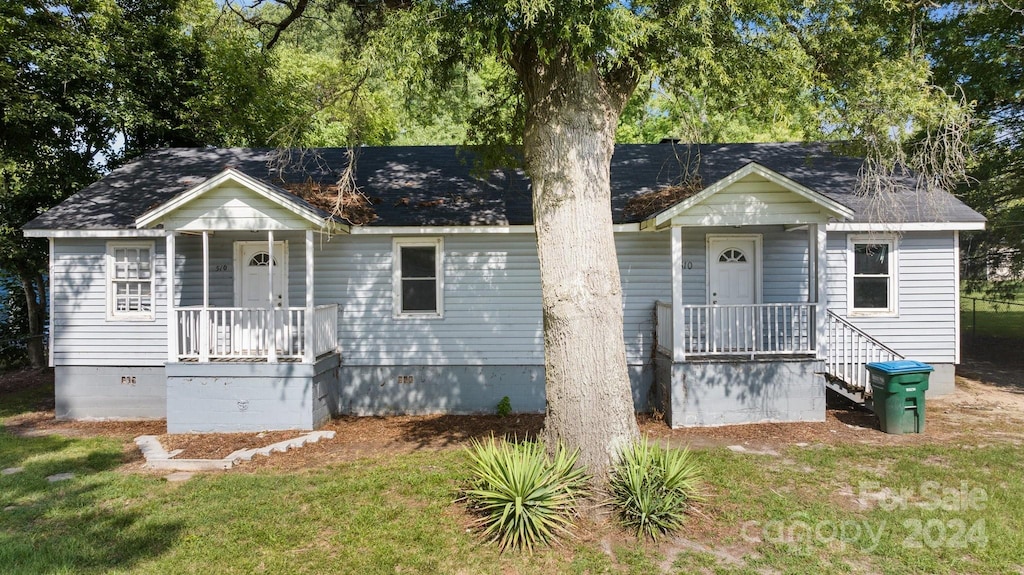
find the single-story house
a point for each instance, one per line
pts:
(215, 288)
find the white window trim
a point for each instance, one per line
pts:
(396, 277)
(894, 283)
(112, 313)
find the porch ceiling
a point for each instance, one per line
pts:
(752, 195)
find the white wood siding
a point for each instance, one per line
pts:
(925, 329)
(492, 300)
(233, 207)
(784, 271)
(82, 334)
(752, 200)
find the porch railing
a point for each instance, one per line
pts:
(226, 333)
(849, 352)
(739, 330)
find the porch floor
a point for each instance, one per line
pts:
(253, 359)
(241, 360)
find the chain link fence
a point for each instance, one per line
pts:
(992, 329)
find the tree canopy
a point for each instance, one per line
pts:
(87, 84)
(977, 46)
(560, 76)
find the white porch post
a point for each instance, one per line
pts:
(172, 317)
(309, 352)
(678, 353)
(817, 240)
(204, 316)
(272, 336)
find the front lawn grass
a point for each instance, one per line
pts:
(793, 513)
(982, 316)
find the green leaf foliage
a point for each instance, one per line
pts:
(653, 488)
(977, 47)
(524, 497)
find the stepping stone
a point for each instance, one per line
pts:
(12, 470)
(178, 476)
(60, 477)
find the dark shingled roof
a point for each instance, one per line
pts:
(406, 182)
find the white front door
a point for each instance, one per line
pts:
(252, 268)
(253, 328)
(732, 289)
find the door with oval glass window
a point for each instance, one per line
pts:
(732, 291)
(263, 316)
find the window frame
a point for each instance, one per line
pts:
(112, 312)
(396, 262)
(889, 240)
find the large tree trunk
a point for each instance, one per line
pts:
(568, 142)
(36, 309)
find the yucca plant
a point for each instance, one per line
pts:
(523, 496)
(652, 488)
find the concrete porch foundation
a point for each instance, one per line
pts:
(729, 392)
(239, 397)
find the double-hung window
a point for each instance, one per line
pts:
(418, 277)
(872, 275)
(130, 281)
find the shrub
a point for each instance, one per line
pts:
(652, 488)
(523, 496)
(504, 407)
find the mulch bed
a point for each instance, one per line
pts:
(382, 437)
(43, 423)
(220, 445)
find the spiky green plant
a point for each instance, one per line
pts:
(652, 488)
(523, 496)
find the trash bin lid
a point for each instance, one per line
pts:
(900, 367)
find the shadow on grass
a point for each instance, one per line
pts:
(24, 400)
(77, 525)
(857, 417)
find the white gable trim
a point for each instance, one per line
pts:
(229, 175)
(834, 208)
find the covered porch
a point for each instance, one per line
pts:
(249, 346)
(744, 336)
(243, 256)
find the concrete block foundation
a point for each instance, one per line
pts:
(711, 393)
(88, 392)
(237, 397)
(457, 389)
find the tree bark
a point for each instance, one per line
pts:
(36, 313)
(571, 117)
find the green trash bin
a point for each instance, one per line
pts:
(897, 388)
